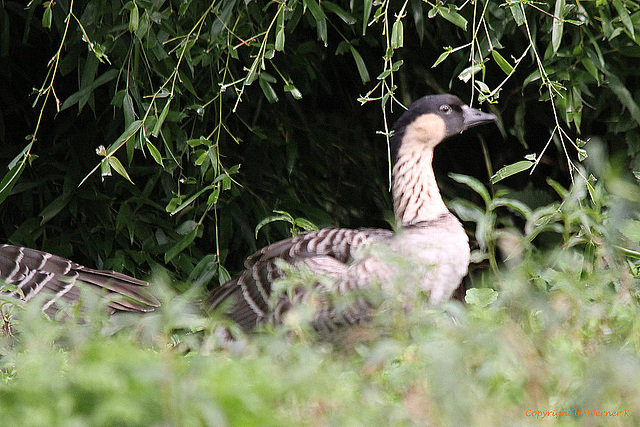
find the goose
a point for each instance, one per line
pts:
(428, 235)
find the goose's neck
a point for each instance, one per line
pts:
(416, 196)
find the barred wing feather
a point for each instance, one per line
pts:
(329, 251)
(35, 272)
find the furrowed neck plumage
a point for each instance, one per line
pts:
(416, 196)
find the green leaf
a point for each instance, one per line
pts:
(190, 200)
(134, 19)
(319, 17)
(511, 204)
(340, 12)
(226, 182)
(223, 275)
(88, 75)
(201, 156)
(383, 75)
(280, 37)
(623, 13)
(251, 76)
(196, 142)
(279, 46)
(467, 211)
(517, 13)
(628, 252)
(223, 19)
(293, 91)
(502, 63)
(466, 74)
(590, 67)
(155, 153)
(267, 89)
(562, 192)
(128, 110)
(105, 170)
(480, 297)
(630, 228)
(54, 208)
(11, 177)
(582, 154)
(474, 184)
(213, 197)
(270, 219)
(85, 91)
(343, 47)
(366, 13)
(531, 78)
(186, 81)
(511, 169)
(46, 16)
(115, 164)
(362, 68)
(182, 244)
(143, 27)
(315, 9)
(449, 13)
(305, 224)
(483, 87)
(186, 227)
(558, 25)
(397, 35)
(268, 77)
(624, 95)
(204, 271)
(441, 58)
(128, 133)
(535, 76)
(161, 118)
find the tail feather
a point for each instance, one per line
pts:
(35, 272)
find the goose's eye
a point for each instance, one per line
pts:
(445, 109)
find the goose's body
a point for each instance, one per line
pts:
(430, 239)
(437, 252)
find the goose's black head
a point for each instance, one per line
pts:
(434, 118)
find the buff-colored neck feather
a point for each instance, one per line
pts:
(416, 196)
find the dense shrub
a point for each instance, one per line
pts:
(222, 112)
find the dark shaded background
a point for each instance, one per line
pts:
(318, 158)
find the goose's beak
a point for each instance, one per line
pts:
(473, 117)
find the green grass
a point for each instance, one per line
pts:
(555, 334)
(467, 365)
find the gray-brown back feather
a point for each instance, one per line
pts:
(327, 251)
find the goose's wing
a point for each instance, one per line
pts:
(328, 251)
(35, 272)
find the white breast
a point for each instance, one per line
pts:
(432, 257)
